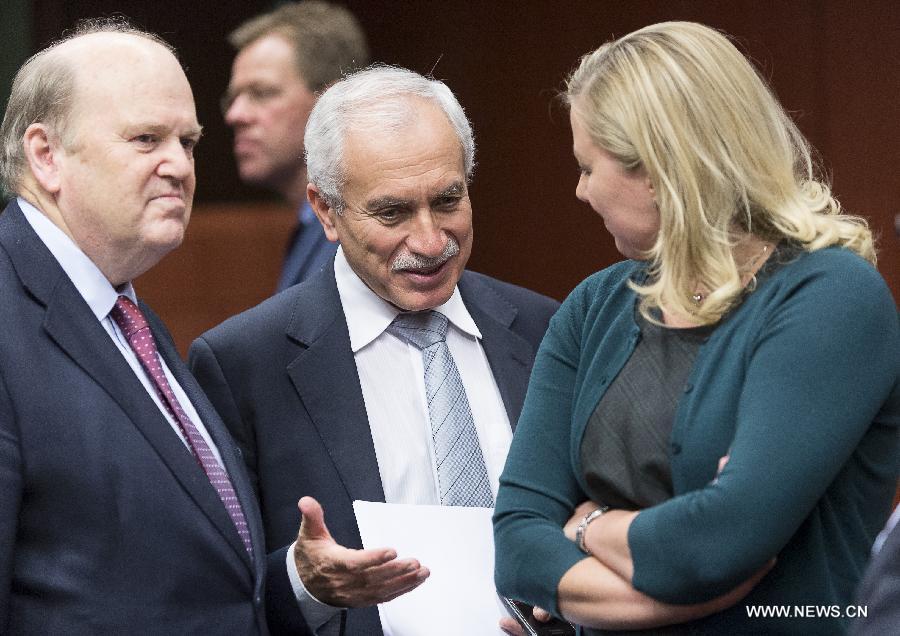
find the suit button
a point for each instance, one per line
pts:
(257, 601)
(688, 388)
(676, 448)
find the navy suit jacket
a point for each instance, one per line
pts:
(308, 250)
(283, 378)
(108, 525)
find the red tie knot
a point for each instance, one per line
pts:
(128, 317)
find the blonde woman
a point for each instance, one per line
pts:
(749, 325)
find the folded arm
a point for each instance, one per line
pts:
(802, 411)
(592, 595)
(535, 560)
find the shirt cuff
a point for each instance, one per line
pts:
(316, 613)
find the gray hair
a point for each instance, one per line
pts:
(43, 91)
(374, 97)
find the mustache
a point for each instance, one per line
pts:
(418, 262)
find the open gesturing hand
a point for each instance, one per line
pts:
(344, 577)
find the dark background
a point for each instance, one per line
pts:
(834, 64)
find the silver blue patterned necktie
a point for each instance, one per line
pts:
(462, 475)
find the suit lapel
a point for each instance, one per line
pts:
(509, 355)
(325, 377)
(85, 341)
(226, 446)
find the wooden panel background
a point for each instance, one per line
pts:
(834, 64)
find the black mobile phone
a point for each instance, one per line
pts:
(532, 626)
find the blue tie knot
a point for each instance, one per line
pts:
(421, 328)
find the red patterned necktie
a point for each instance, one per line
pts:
(137, 331)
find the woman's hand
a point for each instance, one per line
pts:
(722, 461)
(511, 626)
(580, 513)
(592, 595)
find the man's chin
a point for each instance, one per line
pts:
(252, 173)
(417, 299)
(166, 239)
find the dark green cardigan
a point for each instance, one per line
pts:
(799, 385)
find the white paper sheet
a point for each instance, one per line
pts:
(457, 544)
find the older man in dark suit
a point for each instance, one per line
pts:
(394, 374)
(124, 505)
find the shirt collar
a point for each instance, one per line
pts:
(371, 314)
(90, 282)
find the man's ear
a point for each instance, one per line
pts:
(323, 212)
(42, 153)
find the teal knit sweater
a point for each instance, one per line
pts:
(799, 385)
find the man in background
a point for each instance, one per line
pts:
(284, 59)
(393, 374)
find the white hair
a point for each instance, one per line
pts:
(377, 96)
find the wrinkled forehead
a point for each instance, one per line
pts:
(114, 63)
(117, 72)
(416, 131)
(112, 52)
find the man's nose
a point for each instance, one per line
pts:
(177, 161)
(237, 111)
(426, 236)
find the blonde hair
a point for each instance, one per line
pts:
(680, 101)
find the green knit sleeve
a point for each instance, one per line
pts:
(538, 489)
(819, 365)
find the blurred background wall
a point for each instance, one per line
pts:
(834, 64)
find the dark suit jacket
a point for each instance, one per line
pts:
(283, 377)
(308, 250)
(879, 591)
(108, 525)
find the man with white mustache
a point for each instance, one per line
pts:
(319, 387)
(417, 261)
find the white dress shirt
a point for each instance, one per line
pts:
(100, 296)
(391, 374)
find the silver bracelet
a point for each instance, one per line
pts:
(582, 527)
